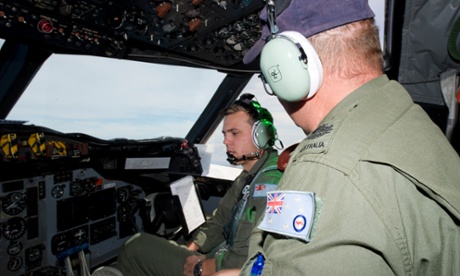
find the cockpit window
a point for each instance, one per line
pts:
(110, 98)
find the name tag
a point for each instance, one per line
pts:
(289, 213)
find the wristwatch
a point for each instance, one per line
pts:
(198, 268)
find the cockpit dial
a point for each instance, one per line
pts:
(14, 203)
(124, 194)
(15, 228)
(14, 248)
(15, 263)
(80, 236)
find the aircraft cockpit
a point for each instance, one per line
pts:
(71, 196)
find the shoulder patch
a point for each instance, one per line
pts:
(321, 131)
(261, 189)
(318, 141)
(290, 213)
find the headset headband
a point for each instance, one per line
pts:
(254, 107)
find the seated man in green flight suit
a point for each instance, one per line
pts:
(249, 136)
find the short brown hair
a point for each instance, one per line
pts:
(234, 108)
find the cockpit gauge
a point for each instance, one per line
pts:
(59, 243)
(124, 212)
(57, 191)
(117, 19)
(14, 248)
(14, 203)
(34, 254)
(76, 188)
(80, 236)
(136, 194)
(123, 194)
(15, 263)
(14, 228)
(89, 185)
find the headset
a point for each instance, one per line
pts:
(291, 67)
(263, 131)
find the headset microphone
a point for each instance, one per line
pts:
(232, 159)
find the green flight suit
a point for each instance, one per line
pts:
(146, 254)
(387, 192)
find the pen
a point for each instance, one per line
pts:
(258, 265)
(249, 213)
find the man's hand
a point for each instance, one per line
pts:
(208, 267)
(192, 246)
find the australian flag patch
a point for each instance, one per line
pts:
(261, 189)
(289, 213)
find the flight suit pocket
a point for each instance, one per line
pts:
(243, 231)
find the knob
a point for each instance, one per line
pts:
(45, 26)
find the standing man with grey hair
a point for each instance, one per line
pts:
(374, 188)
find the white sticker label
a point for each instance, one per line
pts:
(147, 163)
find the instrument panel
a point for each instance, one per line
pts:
(206, 32)
(46, 218)
(69, 196)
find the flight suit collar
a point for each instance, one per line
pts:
(353, 99)
(269, 153)
(321, 139)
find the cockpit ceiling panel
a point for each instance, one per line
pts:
(203, 33)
